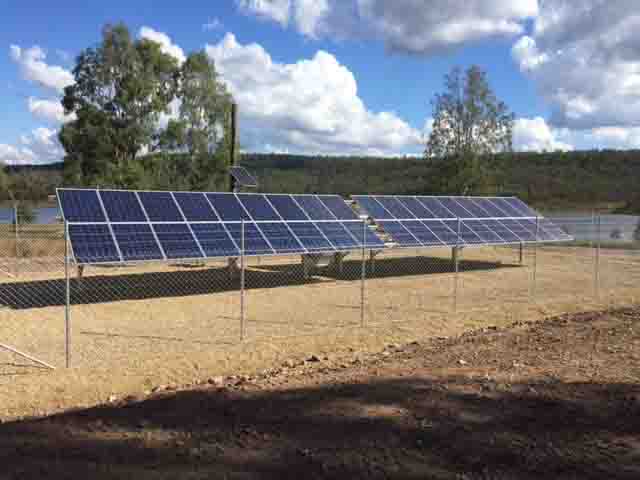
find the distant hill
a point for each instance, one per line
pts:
(551, 180)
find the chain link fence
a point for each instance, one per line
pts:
(55, 313)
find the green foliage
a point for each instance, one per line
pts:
(469, 122)
(122, 87)
(25, 213)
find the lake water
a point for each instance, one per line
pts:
(613, 228)
(43, 215)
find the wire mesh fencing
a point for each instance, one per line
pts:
(137, 313)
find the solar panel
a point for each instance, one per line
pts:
(129, 226)
(122, 206)
(137, 242)
(160, 207)
(195, 207)
(454, 221)
(215, 240)
(243, 177)
(93, 244)
(81, 206)
(177, 241)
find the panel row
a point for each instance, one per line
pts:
(135, 242)
(101, 206)
(436, 221)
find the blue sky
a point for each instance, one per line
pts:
(348, 76)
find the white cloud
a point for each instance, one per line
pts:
(584, 57)
(534, 135)
(39, 147)
(416, 26)
(311, 106)
(34, 68)
(167, 46)
(276, 10)
(49, 110)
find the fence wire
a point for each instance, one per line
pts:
(139, 313)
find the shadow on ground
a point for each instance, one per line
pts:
(409, 428)
(94, 289)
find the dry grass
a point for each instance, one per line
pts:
(136, 327)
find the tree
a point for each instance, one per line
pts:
(469, 123)
(121, 88)
(4, 179)
(202, 127)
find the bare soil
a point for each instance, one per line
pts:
(559, 398)
(138, 327)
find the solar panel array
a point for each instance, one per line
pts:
(242, 177)
(113, 226)
(414, 221)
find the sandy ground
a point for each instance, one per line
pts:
(557, 398)
(137, 327)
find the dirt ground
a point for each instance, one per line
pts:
(138, 327)
(558, 398)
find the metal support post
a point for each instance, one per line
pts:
(597, 259)
(242, 280)
(521, 253)
(67, 308)
(16, 221)
(456, 261)
(363, 272)
(535, 259)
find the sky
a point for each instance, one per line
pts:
(346, 76)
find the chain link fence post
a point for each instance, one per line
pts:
(363, 271)
(597, 256)
(456, 261)
(242, 280)
(534, 277)
(67, 306)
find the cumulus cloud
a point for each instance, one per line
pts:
(416, 26)
(534, 135)
(49, 110)
(583, 57)
(39, 147)
(311, 106)
(276, 10)
(34, 68)
(166, 44)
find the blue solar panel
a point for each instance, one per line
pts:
(502, 230)
(483, 231)
(195, 207)
(395, 208)
(287, 207)
(470, 206)
(416, 207)
(313, 207)
(338, 235)
(137, 242)
(506, 207)
(177, 241)
(525, 231)
(258, 207)
(359, 230)
(338, 207)
(490, 207)
(422, 233)
(522, 207)
(227, 206)
(122, 206)
(93, 244)
(160, 207)
(435, 207)
(469, 236)
(446, 231)
(373, 208)
(80, 206)
(280, 238)
(215, 240)
(254, 242)
(311, 237)
(454, 207)
(399, 233)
